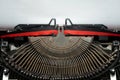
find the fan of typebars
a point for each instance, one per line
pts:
(60, 57)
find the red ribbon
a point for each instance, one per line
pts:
(55, 32)
(89, 33)
(35, 33)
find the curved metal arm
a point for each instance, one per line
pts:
(53, 19)
(66, 21)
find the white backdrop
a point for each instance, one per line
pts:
(13, 12)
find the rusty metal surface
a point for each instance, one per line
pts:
(60, 46)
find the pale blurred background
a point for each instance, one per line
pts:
(13, 12)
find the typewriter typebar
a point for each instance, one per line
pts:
(68, 52)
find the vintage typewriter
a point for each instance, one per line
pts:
(53, 52)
